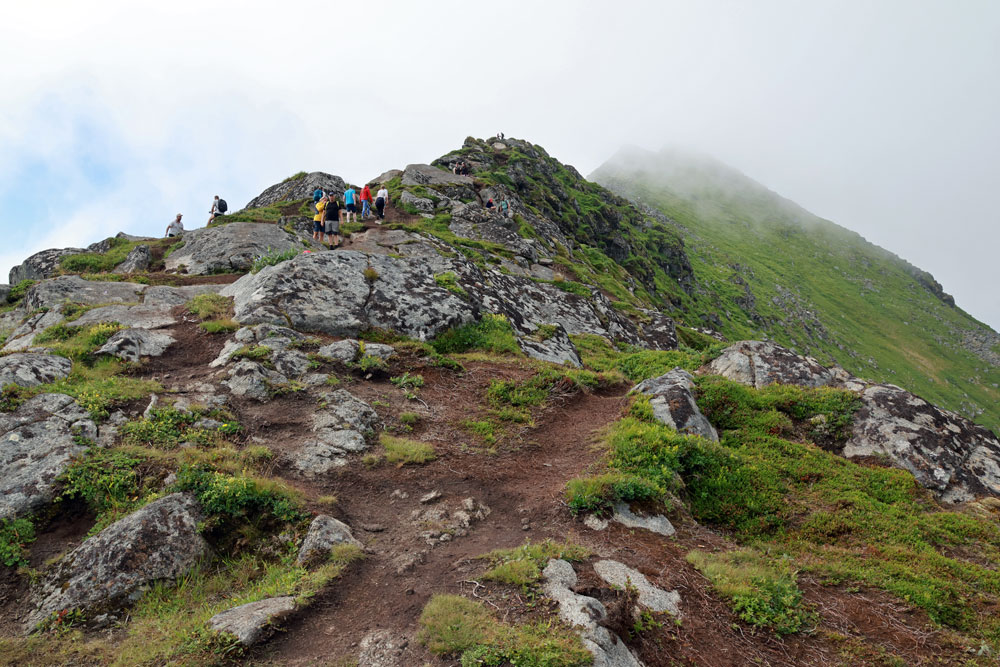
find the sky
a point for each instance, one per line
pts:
(883, 116)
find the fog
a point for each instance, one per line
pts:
(879, 116)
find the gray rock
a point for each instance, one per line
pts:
(138, 259)
(163, 295)
(155, 543)
(318, 457)
(253, 622)
(422, 204)
(474, 222)
(325, 532)
(134, 317)
(37, 443)
(299, 188)
(328, 292)
(656, 523)
(41, 265)
(343, 410)
(379, 350)
(584, 614)
(134, 344)
(31, 369)
(346, 350)
(52, 294)
(659, 331)
(673, 403)
(758, 364)
(250, 379)
(382, 649)
(290, 363)
(4, 293)
(424, 174)
(23, 337)
(230, 247)
(945, 452)
(656, 599)
(557, 348)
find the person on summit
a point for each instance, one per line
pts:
(381, 199)
(351, 203)
(366, 202)
(219, 207)
(319, 218)
(175, 228)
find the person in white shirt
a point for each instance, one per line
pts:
(175, 228)
(381, 199)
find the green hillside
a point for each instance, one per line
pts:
(766, 267)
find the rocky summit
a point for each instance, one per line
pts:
(582, 426)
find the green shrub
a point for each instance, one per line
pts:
(407, 381)
(492, 334)
(258, 353)
(165, 428)
(762, 591)
(92, 262)
(209, 306)
(219, 326)
(228, 498)
(77, 343)
(370, 365)
(15, 536)
(600, 492)
(18, 291)
(523, 565)
(408, 418)
(111, 483)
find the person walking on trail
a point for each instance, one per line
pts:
(333, 223)
(351, 203)
(318, 219)
(381, 199)
(504, 208)
(366, 202)
(175, 228)
(219, 207)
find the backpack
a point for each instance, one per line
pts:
(223, 206)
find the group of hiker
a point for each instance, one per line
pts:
(503, 208)
(176, 227)
(330, 212)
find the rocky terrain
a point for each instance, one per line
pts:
(463, 438)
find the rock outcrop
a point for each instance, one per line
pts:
(134, 344)
(344, 425)
(41, 265)
(301, 187)
(157, 542)
(673, 403)
(324, 534)
(138, 259)
(653, 598)
(253, 622)
(230, 247)
(32, 369)
(38, 441)
(758, 364)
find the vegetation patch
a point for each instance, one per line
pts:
(111, 483)
(15, 536)
(449, 281)
(77, 343)
(523, 565)
(455, 625)
(763, 592)
(493, 334)
(599, 493)
(402, 451)
(93, 262)
(209, 306)
(638, 364)
(272, 258)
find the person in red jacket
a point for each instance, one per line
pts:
(366, 201)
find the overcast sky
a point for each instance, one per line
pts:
(881, 116)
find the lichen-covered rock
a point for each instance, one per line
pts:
(30, 369)
(325, 532)
(672, 400)
(330, 292)
(343, 410)
(250, 379)
(253, 622)
(654, 598)
(344, 425)
(23, 336)
(155, 543)
(584, 614)
(424, 174)
(555, 346)
(659, 330)
(945, 452)
(758, 364)
(382, 649)
(37, 443)
(345, 351)
(230, 247)
(164, 295)
(656, 523)
(134, 317)
(134, 344)
(422, 204)
(298, 188)
(138, 259)
(4, 293)
(52, 294)
(41, 265)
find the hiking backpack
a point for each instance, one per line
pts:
(223, 206)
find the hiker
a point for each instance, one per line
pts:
(333, 223)
(317, 195)
(219, 207)
(366, 202)
(318, 219)
(351, 203)
(381, 199)
(504, 208)
(175, 228)
(489, 204)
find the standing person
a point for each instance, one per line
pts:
(504, 208)
(218, 208)
(318, 224)
(381, 199)
(333, 223)
(366, 202)
(351, 203)
(175, 228)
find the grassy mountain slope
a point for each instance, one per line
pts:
(766, 267)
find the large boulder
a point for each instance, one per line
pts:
(324, 534)
(253, 622)
(155, 543)
(230, 247)
(37, 443)
(4, 293)
(135, 317)
(550, 344)
(163, 295)
(53, 293)
(758, 364)
(31, 369)
(945, 451)
(41, 265)
(138, 259)
(672, 399)
(134, 344)
(345, 293)
(424, 174)
(298, 188)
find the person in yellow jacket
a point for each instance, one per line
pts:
(318, 220)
